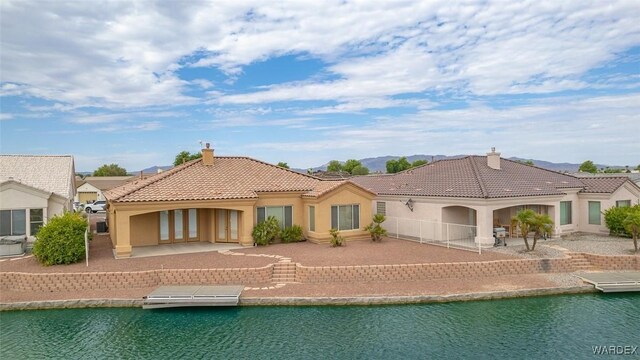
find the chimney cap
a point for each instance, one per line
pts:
(207, 145)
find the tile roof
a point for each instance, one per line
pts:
(50, 173)
(107, 182)
(604, 184)
(471, 177)
(228, 178)
(325, 186)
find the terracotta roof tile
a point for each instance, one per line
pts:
(227, 178)
(605, 185)
(470, 177)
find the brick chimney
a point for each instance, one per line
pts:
(207, 155)
(493, 159)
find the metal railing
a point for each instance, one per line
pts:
(433, 232)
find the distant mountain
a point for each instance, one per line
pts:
(154, 169)
(379, 164)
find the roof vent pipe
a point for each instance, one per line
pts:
(493, 159)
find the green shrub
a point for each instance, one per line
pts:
(292, 234)
(614, 218)
(336, 239)
(61, 240)
(266, 232)
(375, 229)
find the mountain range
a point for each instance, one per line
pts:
(378, 164)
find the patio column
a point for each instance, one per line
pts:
(123, 238)
(484, 231)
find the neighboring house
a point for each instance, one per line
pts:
(486, 191)
(91, 188)
(332, 175)
(221, 199)
(633, 176)
(33, 189)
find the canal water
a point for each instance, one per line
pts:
(567, 327)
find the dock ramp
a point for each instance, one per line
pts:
(614, 281)
(198, 295)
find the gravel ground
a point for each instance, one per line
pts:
(101, 259)
(577, 242)
(364, 252)
(595, 244)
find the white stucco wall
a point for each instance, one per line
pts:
(19, 197)
(625, 192)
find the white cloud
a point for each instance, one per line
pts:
(121, 55)
(546, 129)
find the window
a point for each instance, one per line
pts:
(623, 203)
(345, 217)
(565, 212)
(13, 222)
(312, 218)
(284, 214)
(178, 224)
(36, 220)
(381, 207)
(594, 213)
(193, 223)
(164, 225)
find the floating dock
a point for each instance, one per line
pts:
(614, 281)
(198, 295)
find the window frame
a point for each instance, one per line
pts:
(566, 206)
(591, 217)
(32, 222)
(264, 211)
(355, 218)
(383, 205)
(623, 203)
(11, 222)
(312, 218)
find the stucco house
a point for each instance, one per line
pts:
(32, 190)
(220, 199)
(91, 188)
(483, 192)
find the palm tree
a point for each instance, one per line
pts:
(523, 220)
(540, 224)
(632, 224)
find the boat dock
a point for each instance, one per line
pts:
(198, 295)
(614, 281)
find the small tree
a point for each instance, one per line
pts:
(614, 218)
(360, 170)
(541, 225)
(336, 239)
(334, 165)
(419, 163)
(184, 156)
(61, 240)
(351, 164)
(395, 166)
(523, 220)
(375, 229)
(283, 165)
(632, 225)
(588, 166)
(110, 170)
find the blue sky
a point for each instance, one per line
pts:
(306, 82)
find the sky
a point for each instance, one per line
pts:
(305, 82)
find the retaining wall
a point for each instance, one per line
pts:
(326, 274)
(610, 262)
(16, 281)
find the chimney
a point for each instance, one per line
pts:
(493, 159)
(207, 155)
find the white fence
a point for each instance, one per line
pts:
(433, 232)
